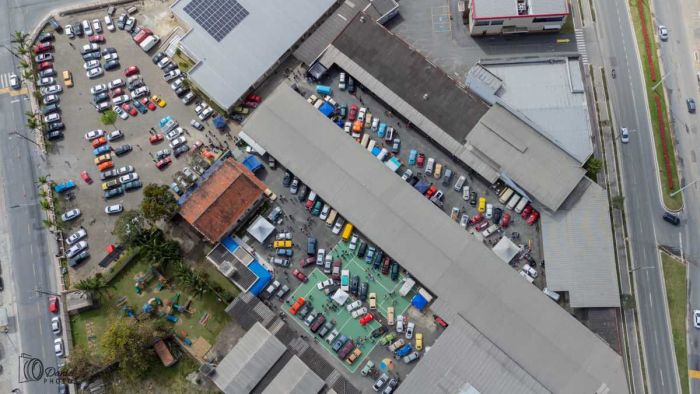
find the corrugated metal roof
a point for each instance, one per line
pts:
(506, 8)
(243, 367)
(553, 348)
(295, 378)
(228, 68)
(579, 252)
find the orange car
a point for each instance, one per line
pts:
(97, 142)
(105, 166)
(298, 304)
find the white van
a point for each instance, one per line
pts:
(382, 155)
(521, 205)
(551, 294)
(513, 201)
(460, 183)
(527, 277)
(530, 271)
(365, 140)
(371, 145)
(490, 231)
(331, 217)
(429, 166)
(505, 195)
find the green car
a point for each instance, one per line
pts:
(316, 210)
(367, 368)
(343, 111)
(386, 339)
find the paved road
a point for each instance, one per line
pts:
(643, 206)
(677, 55)
(30, 259)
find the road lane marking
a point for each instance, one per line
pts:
(693, 374)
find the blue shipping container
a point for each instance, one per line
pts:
(324, 90)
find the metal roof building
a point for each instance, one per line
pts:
(295, 378)
(495, 142)
(237, 42)
(579, 251)
(504, 336)
(243, 367)
(509, 8)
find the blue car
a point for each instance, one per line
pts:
(64, 186)
(140, 107)
(285, 252)
(382, 130)
(404, 350)
(165, 120)
(340, 122)
(412, 157)
(100, 150)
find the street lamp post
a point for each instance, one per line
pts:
(640, 268)
(40, 291)
(684, 187)
(23, 137)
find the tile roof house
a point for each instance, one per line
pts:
(223, 201)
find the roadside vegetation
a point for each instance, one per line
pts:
(676, 295)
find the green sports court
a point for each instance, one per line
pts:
(387, 295)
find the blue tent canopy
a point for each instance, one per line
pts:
(252, 163)
(219, 122)
(264, 277)
(327, 109)
(419, 302)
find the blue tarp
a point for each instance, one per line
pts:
(419, 302)
(230, 244)
(264, 277)
(252, 163)
(376, 150)
(219, 122)
(327, 109)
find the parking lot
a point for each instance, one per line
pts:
(73, 154)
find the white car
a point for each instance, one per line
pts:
(174, 133)
(354, 305)
(87, 28)
(324, 284)
(97, 26)
(320, 255)
(624, 135)
(69, 31)
(696, 318)
(95, 72)
(140, 92)
(92, 47)
(359, 312)
(125, 170)
(91, 135)
(177, 142)
(46, 81)
(409, 329)
(103, 106)
(120, 112)
(56, 325)
(115, 135)
(128, 177)
(90, 64)
(14, 81)
(338, 226)
(353, 242)
(324, 212)
(76, 236)
(407, 174)
(489, 211)
(114, 209)
(399, 324)
(347, 127)
(663, 33)
(54, 117)
(110, 56)
(117, 83)
(76, 248)
(164, 62)
(50, 99)
(465, 193)
(53, 89)
(58, 347)
(121, 99)
(206, 113)
(109, 23)
(97, 89)
(342, 81)
(362, 113)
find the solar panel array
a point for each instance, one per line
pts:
(217, 17)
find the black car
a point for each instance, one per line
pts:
(355, 284)
(54, 135)
(378, 257)
(136, 83)
(121, 22)
(305, 310)
(287, 180)
(122, 150)
(98, 98)
(378, 332)
(413, 180)
(49, 72)
(394, 271)
(472, 199)
(78, 29)
(75, 260)
(108, 50)
(691, 105)
(180, 150)
(108, 174)
(111, 65)
(117, 191)
(351, 85)
(53, 126)
(158, 57)
(497, 213)
(303, 192)
(169, 67)
(181, 91)
(92, 56)
(671, 218)
(46, 37)
(50, 109)
(362, 250)
(2, 284)
(364, 288)
(326, 329)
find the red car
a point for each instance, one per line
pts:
(155, 138)
(44, 65)
(297, 304)
(300, 275)
(250, 104)
(117, 92)
(353, 113)
(533, 218)
(97, 142)
(140, 36)
(164, 162)
(53, 304)
(43, 47)
(131, 71)
(505, 220)
(307, 261)
(254, 98)
(431, 190)
(420, 162)
(148, 103)
(482, 226)
(99, 38)
(476, 218)
(526, 212)
(86, 177)
(129, 109)
(439, 321)
(366, 319)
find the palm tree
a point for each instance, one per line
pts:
(20, 39)
(47, 223)
(27, 75)
(191, 280)
(44, 204)
(24, 65)
(95, 286)
(160, 251)
(32, 123)
(43, 179)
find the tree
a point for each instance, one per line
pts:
(108, 117)
(191, 280)
(159, 251)
(20, 39)
(44, 204)
(593, 167)
(127, 342)
(158, 203)
(81, 364)
(96, 285)
(32, 123)
(618, 202)
(130, 226)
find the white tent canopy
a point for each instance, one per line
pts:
(505, 249)
(340, 297)
(260, 229)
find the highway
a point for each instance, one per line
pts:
(28, 263)
(642, 198)
(677, 55)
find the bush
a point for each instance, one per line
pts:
(108, 117)
(184, 66)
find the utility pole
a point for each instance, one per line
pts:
(684, 187)
(24, 137)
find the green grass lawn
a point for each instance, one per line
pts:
(676, 202)
(676, 294)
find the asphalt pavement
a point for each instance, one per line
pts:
(641, 191)
(27, 261)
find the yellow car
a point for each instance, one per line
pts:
(482, 205)
(419, 341)
(283, 244)
(68, 79)
(161, 103)
(103, 158)
(110, 184)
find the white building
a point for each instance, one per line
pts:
(516, 16)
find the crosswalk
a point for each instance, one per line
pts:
(581, 46)
(5, 80)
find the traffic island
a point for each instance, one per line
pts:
(676, 297)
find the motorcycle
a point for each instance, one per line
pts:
(613, 73)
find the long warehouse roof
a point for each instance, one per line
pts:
(513, 317)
